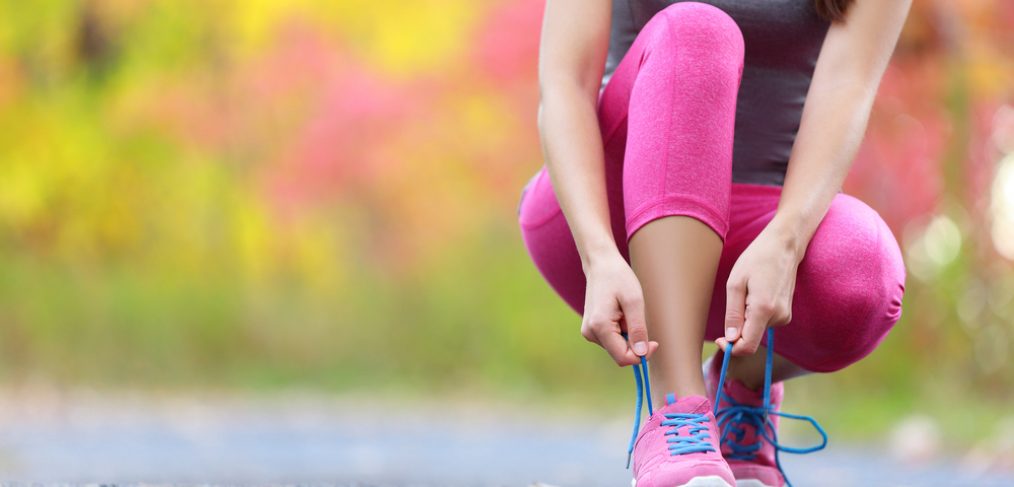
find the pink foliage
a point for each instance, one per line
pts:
(507, 47)
(903, 147)
(505, 56)
(339, 113)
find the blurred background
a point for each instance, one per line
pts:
(274, 199)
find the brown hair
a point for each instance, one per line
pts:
(832, 10)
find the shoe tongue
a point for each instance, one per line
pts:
(742, 393)
(688, 404)
(734, 387)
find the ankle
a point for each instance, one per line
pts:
(746, 373)
(681, 391)
(751, 383)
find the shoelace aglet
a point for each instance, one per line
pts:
(628, 460)
(647, 389)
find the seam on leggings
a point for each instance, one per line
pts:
(608, 137)
(542, 221)
(668, 130)
(630, 10)
(599, 106)
(616, 127)
(701, 204)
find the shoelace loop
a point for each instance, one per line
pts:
(733, 418)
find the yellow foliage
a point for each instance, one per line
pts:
(400, 38)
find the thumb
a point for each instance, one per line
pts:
(637, 331)
(735, 308)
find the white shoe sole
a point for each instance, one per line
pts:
(752, 483)
(709, 481)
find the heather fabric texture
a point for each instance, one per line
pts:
(667, 121)
(655, 467)
(783, 39)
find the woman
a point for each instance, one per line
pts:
(695, 154)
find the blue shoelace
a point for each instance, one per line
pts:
(730, 419)
(695, 439)
(733, 418)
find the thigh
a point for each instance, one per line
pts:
(849, 285)
(548, 240)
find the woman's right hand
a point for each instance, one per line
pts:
(614, 304)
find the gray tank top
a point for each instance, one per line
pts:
(782, 39)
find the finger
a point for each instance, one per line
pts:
(633, 315)
(735, 308)
(617, 347)
(757, 318)
(652, 346)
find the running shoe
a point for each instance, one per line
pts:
(748, 422)
(678, 446)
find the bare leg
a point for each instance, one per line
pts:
(749, 369)
(676, 259)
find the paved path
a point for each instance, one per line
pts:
(54, 437)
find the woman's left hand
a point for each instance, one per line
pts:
(759, 290)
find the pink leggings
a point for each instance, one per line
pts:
(667, 117)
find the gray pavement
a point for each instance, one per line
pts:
(52, 437)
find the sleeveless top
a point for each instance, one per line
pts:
(782, 39)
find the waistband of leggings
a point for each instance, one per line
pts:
(756, 188)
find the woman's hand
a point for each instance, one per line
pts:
(613, 304)
(759, 290)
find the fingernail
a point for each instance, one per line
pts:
(730, 333)
(640, 348)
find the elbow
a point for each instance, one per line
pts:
(857, 92)
(539, 122)
(857, 80)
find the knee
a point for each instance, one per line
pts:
(856, 268)
(701, 16)
(862, 320)
(703, 28)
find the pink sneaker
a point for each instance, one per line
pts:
(748, 423)
(751, 459)
(679, 447)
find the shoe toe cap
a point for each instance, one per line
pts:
(702, 474)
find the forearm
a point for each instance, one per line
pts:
(572, 148)
(845, 80)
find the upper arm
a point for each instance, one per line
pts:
(856, 51)
(574, 44)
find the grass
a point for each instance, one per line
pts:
(453, 329)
